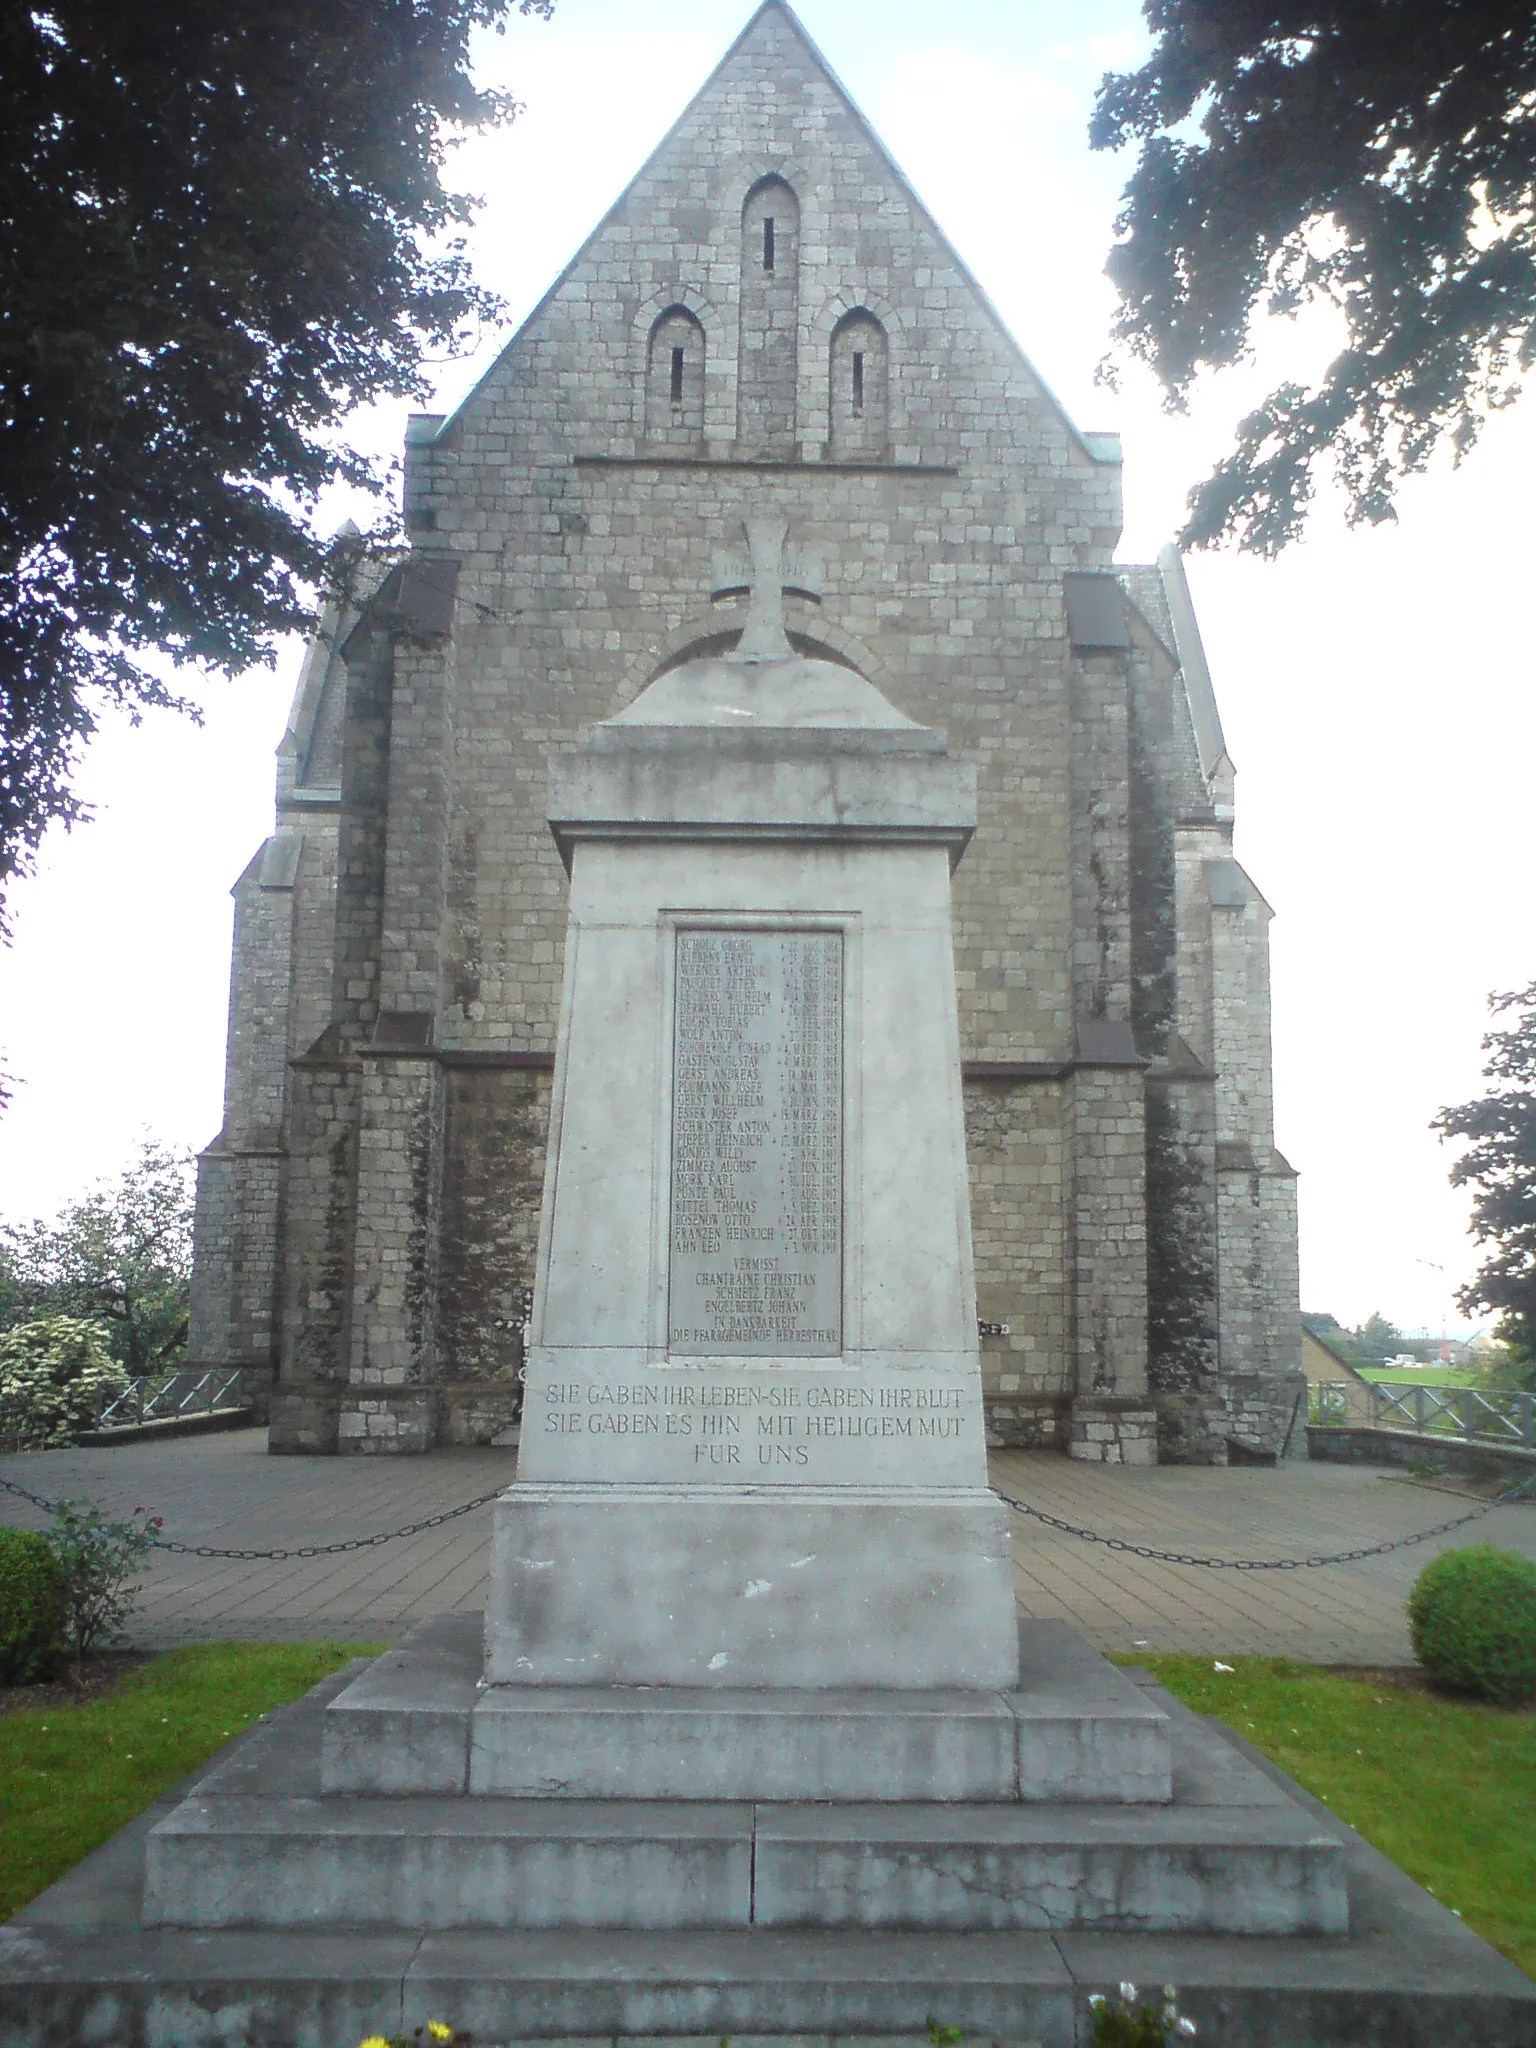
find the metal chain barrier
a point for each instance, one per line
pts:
(1256, 1564)
(1121, 1543)
(302, 1550)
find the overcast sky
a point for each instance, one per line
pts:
(1376, 687)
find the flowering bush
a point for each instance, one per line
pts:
(1125, 2024)
(94, 1558)
(53, 1372)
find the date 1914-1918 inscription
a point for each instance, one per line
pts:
(757, 1145)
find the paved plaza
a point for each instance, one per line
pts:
(226, 1492)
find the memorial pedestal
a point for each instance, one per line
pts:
(907, 1588)
(753, 1451)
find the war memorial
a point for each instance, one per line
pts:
(751, 1742)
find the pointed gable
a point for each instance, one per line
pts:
(867, 340)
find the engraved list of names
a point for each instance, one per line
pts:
(757, 1145)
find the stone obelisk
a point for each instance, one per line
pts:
(752, 1451)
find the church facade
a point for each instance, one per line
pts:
(767, 324)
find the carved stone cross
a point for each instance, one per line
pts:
(766, 573)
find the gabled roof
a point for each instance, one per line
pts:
(1099, 448)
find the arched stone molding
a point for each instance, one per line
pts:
(824, 323)
(719, 379)
(676, 359)
(734, 180)
(712, 630)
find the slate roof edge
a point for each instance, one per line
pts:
(1198, 688)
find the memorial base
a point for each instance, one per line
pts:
(909, 1589)
(746, 1845)
(1068, 1728)
(312, 1919)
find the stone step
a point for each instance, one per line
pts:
(79, 1964)
(1215, 1870)
(609, 1743)
(1410, 1983)
(438, 1864)
(418, 1721)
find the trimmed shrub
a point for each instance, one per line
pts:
(52, 1372)
(32, 1611)
(1472, 1617)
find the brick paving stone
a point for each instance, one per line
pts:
(225, 1490)
(1335, 1614)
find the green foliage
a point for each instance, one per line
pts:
(1376, 160)
(1421, 1376)
(95, 1558)
(225, 227)
(74, 1775)
(1500, 1163)
(1133, 2023)
(1508, 1371)
(31, 1607)
(120, 1255)
(1377, 1340)
(1472, 1617)
(53, 1371)
(1439, 1785)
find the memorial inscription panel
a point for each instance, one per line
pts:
(756, 1228)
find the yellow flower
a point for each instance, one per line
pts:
(374, 2041)
(438, 2031)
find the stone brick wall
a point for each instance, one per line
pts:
(492, 1193)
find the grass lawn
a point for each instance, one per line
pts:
(1428, 1376)
(70, 1776)
(1445, 1787)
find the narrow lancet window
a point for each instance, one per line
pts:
(674, 380)
(770, 317)
(859, 381)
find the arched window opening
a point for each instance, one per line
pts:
(770, 318)
(674, 381)
(860, 387)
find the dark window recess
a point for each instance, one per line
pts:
(768, 242)
(677, 376)
(858, 380)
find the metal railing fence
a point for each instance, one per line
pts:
(165, 1399)
(1466, 1413)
